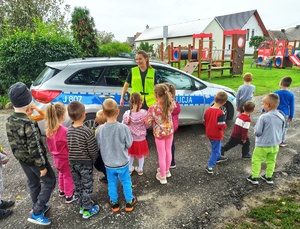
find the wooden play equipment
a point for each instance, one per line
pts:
(278, 54)
(201, 58)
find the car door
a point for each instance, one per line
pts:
(188, 93)
(111, 84)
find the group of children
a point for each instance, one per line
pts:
(76, 150)
(270, 129)
(112, 148)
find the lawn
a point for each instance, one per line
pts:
(265, 80)
(276, 212)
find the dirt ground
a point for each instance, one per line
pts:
(191, 199)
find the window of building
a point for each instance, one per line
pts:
(247, 35)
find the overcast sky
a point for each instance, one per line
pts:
(124, 18)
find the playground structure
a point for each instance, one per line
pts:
(206, 58)
(277, 54)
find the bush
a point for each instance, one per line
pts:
(23, 55)
(3, 101)
(113, 49)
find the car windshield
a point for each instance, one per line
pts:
(45, 75)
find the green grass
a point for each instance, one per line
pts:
(272, 213)
(265, 81)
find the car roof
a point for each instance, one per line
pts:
(97, 60)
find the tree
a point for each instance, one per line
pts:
(23, 54)
(114, 49)
(105, 38)
(146, 47)
(84, 33)
(255, 41)
(22, 13)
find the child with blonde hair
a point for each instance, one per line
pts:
(268, 132)
(135, 119)
(58, 146)
(160, 117)
(245, 92)
(114, 139)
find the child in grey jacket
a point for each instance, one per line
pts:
(114, 139)
(269, 129)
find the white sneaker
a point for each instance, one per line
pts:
(162, 180)
(168, 173)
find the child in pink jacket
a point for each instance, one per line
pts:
(58, 147)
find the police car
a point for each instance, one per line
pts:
(92, 80)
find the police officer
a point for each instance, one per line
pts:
(142, 80)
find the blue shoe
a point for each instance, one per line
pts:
(39, 219)
(92, 211)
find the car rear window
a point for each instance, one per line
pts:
(45, 75)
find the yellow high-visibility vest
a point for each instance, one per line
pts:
(136, 85)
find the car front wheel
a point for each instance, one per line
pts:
(90, 122)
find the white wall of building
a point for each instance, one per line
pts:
(253, 29)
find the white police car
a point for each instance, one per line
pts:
(92, 80)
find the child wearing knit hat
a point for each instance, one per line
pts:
(25, 141)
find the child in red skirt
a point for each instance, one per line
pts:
(136, 118)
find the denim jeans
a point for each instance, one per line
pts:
(215, 152)
(113, 175)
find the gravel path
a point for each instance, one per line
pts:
(191, 199)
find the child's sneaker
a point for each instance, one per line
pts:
(61, 194)
(209, 170)
(168, 173)
(282, 144)
(173, 166)
(92, 211)
(130, 205)
(246, 156)
(6, 204)
(252, 180)
(115, 207)
(162, 180)
(4, 213)
(269, 180)
(39, 219)
(222, 159)
(71, 199)
(81, 210)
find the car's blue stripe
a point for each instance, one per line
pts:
(89, 99)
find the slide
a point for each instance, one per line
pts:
(295, 60)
